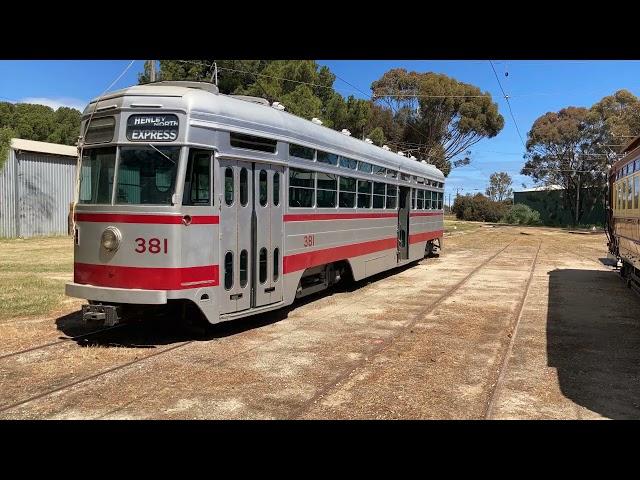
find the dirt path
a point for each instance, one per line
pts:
(432, 341)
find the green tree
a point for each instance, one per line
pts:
(441, 117)
(617, 118)
(377, 136)
(499, 188)
(563, 149)
(6, 134)
(41, 123)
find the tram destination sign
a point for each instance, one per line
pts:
(157, 128)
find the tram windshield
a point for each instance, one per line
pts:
(146, 175)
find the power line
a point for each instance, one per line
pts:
(506, 97)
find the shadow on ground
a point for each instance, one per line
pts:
(161, 328)
(593, 340)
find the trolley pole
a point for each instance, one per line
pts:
(152, 70)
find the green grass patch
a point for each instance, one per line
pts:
(33, 272)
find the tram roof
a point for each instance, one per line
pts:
(202, 102)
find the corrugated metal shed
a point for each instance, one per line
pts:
(36, 188)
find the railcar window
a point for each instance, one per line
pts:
(301, 152)
(276, 189)
(147, 175)
(420, 205)
(327, 190)
(96, 178)
(244, 272)
(228, 270)
(629, 194)
(326, 157)
(301, 188)
(276, 264)
(413, 198)
(376, 170)
(251, 142)
(347, 192)
(392, 194)
(244, 187)
(197, 181)
(101, 130)
(427, 199)
(348, 163)
(392, 173)
(263, 188)
(364, 167)
(405, 177)
(440, 197)
(378, 194)
(420, 180)
(228, 186)
(636, 190)
(364, 194)
(263, 265)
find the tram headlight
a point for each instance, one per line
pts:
(111, 239)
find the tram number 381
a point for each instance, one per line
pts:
(152, 246)
(309, 240)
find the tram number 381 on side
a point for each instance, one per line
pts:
(153, 245)
(309, 240)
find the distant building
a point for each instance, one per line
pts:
(548, 201)
(37, 184)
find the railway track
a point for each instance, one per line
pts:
(497, 386)
(156, 354)
(62, 340)
(386, 343)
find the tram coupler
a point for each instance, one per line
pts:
(103, 315)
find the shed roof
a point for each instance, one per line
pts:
(44, 147)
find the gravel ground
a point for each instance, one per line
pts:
(509, 322)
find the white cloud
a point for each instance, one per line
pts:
(56, 103)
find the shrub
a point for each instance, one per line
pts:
(521, 214)
(478, 208)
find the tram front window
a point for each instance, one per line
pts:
(147, 175)
(96, 178)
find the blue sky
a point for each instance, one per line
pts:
(534, 87)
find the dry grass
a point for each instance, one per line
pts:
(32, 275)
(452, 225)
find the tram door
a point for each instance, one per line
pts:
(268, 233)
(236, 208)
(404, 203)
(251, 233)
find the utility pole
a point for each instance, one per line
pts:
(152, 70)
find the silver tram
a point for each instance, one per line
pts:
(190, 197)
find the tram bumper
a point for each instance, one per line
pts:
(116, 295)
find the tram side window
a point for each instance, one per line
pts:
(301, 152)
(328, 158)
(251, 142)
(629, 193)
(347, 192)
(364, 194)
(348, 163)
(636, 190)
(96, 178)
(420, 205)
(301, 188)
(392, 194)
(414, 194)
(197, 181)
(327, 190)
(376, 170)
(364, 167)
(440, 199)
(378, 194)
